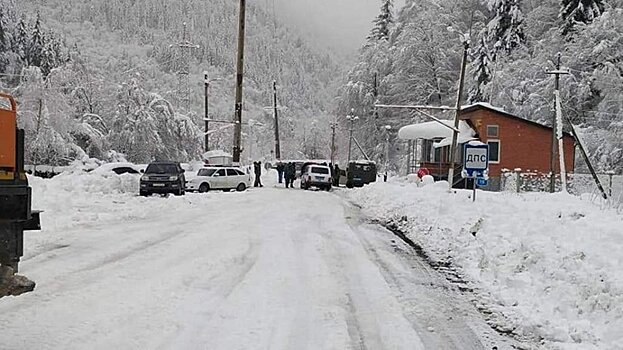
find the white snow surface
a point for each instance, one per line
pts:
(267, 268)
(547, 266)
(433, 129)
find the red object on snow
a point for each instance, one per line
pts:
(422, 172)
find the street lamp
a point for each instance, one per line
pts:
(387, 129)
(352, 118)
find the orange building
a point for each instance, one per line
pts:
(513, 143)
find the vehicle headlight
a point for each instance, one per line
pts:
(172, 178)
(144, 178)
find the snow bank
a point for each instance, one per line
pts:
(547, 267)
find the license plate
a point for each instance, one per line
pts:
(158, 185)
(319, 178)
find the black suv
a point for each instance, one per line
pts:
(163, 177)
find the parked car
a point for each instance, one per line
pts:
(219, 178)
(163, 178)
(360, 173)
(316, 175)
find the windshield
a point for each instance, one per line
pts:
(319, 170)
(206, 172)
(161, 169)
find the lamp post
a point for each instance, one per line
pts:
(387, 129)
(352, 118)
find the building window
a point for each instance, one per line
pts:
(494, 151)
(493, 131)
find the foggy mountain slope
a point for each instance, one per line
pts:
(120, 41)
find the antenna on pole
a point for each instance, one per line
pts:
(183, 84)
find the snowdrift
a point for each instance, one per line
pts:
(547, 267)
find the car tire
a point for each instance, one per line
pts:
(204, 187)
(349, 184)
(241, 187)
(144, 194)
(179, 192)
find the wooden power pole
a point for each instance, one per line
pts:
(552, 159)
(206, 84)
(455, 132)
(277, 145)
(239, 77)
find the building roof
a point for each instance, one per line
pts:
(433, 129)
(500, 111)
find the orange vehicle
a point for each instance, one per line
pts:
(15, 198)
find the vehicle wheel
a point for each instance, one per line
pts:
(204, 187)
(349, 184)
(328, 188)
(241, 187)
(179, 192)
(144, 194)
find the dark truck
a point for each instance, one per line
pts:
(16, 215)
(360, 173)
(163, 178)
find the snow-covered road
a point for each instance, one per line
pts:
(265, 269)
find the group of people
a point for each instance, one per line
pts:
(287, 171)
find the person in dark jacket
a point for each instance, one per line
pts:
(257, 168)
(290, 174)
(336, 176)
(280, 171)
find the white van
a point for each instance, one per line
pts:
(316, 175)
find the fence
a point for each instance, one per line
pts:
(520, 181)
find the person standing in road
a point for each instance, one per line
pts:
(280, 171)
(336, 176)
(290, 174)
(257, 168)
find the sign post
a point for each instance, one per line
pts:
(476, 164)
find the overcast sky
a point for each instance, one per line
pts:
(338, 24)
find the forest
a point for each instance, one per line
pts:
(414, 56)
(101, 80)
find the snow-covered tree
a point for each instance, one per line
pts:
(579, 11)
(481, 71)
(383, 22)
(35, 47)
(506, 29)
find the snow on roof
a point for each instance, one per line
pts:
(216, 153)
(431, 130)
(485, 105)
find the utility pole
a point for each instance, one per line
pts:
(333, 125)
(239, 77)
(387, 129)
(455, 132)
(206, 84)
(352, 118)
(556, 125)
(183, 85)
(277, 145)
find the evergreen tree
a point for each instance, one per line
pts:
(506, 29)
(3, 36)
(20, 42)
(481, 72)
(34, 51)
(382, 23)
(579, 11)
(48, 58)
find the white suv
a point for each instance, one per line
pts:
(219, 178)
(315, 175)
